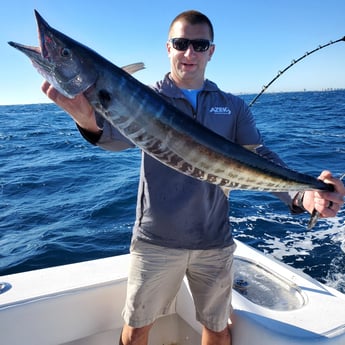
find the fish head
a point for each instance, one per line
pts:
(63, 62)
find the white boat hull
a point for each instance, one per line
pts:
(81, 304)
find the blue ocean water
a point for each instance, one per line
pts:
(63, 200)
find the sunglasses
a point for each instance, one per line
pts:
(199, 45)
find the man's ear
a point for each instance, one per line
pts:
(211, 51)
(168, 45)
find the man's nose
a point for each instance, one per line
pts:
(190, 50)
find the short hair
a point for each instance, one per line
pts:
(193, 17)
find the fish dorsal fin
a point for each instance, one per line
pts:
(133, 67)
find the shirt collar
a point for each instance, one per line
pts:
(168, 88)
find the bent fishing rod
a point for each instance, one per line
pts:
(293, 62)
(315, 215)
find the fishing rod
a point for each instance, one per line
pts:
(293, 62)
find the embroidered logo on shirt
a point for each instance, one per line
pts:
(220, 110)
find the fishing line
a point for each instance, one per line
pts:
(293, 62)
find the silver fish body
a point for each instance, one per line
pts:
(153, 124)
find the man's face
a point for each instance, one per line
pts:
(188, 67)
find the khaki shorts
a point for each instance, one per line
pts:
(156, 274)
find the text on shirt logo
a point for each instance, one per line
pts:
(220, 110)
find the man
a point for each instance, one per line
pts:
(182, 225)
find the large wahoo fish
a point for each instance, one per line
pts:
(153, 124)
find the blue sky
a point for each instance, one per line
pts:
(254, 40)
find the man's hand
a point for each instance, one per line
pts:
(78, 107)
(327, 204)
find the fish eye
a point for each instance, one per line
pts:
(65, 52)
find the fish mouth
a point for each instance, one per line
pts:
(60, 71)
(39, 56)
(36, 54)
(42, 27)
(30, 51)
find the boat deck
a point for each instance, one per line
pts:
(167, 330)
(81, 304)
